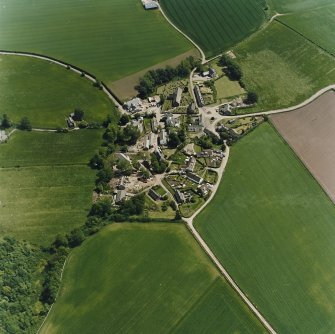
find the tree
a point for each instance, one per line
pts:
(78, 114)
(233, 71)
(124, 119)
(5, 123)
(60, 241)
(97, 161)
(102, 208)
(124, 166)
(252, 98)
(25, 124)
(76, 237)
(144, 173)
(174, 140)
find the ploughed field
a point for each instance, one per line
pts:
(216, 25)
(272, 227)
(110, 38)
(46, 185)
(47, 93)
(310, 131)
(301, 68)
(145, 278)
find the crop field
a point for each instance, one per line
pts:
(272, 227)
(301, 68)
(216, 25)
(317, 25)
(47, 93)
(145, 278)
(46, 185)
(310, 131)
(286, 6)
(111, 39)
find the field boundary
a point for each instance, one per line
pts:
(305, 37)
(61, 278)
(117, 102)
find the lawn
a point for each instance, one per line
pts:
(47, 93)
(301, 68)
(227, 89)
(317, 25)
(145, 278)
(51, 191)
(111, 39)
(216, 25)
(272, 227)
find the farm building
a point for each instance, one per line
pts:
(171, 120)
(177, 97)
(154, 124)
(191, 164)
(198, 96)
(163, 138)
(150, 5)
(192, 108)
(134, 105)
(120, 195)
(3, 136)
(212, 73)
(152, 193)
(122, 156)
(196, 125)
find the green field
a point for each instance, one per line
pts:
(216, 25)
(47, 93)
(317, 25)
(272, 227)
(283, 67)
(111, 38)
(51, 191)
(226, 89)
(145, 278)
(285, 6)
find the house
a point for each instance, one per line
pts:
(159, 154)
(198, 96)
(192, 108)
(177, 97)
(134, 105)
(3, 136)
(121, 185)
(163, 140)
(205, 73)
(154, 124)
(172, 121)
(179, 196)
(152, 193)
(194, 178)
(154, 100)
(196, 125)
(203, 189)
(70, 122)
(191, 164)
(120, 195)
(122, 156)
(212, 73)
(150, 5)
(226, 109)
(205, 154)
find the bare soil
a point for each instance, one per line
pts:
(310, 131)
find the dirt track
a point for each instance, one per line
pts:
(310, 131)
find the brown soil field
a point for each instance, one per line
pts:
(125, 87)
(310, 131)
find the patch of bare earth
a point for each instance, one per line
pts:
(125, 87)
(310, 131)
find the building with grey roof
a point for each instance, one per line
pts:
(177, 97)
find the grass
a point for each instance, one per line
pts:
(47, 93)
(159, 284)
(216, 25)
(272, 227)
(51, 191)
(111, 39)
(301, 68)
(227, 89)
(317, 25)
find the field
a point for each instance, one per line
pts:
(272, 227)
(216, 25)
(46, 185)
(47, 93)
(145, 278)
(285, 6)
(317, 25)
(310, 131)
(111, 39)
(301, 68)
